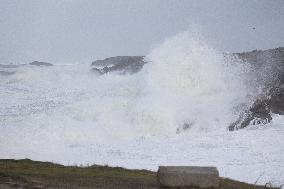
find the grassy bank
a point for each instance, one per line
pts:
(30, 174)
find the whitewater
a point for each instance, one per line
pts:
(175, 111)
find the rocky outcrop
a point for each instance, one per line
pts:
(122, 64)
(258, 113)
(268, 68)
(268, 74)
(37, 63)
(97, 71)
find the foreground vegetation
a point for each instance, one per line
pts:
(30, 174)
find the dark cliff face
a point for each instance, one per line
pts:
(268, 66)
(123, 64)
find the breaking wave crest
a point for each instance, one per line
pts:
(197, 86)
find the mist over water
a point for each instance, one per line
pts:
(187, 90)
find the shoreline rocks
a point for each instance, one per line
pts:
(122, 64)
(268, 66)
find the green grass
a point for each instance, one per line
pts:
(33, 174)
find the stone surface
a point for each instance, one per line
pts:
(268, 69)
(123, 64)
(97, 71)
(187, 176)
(258, 113)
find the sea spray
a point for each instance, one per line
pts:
(186, 85)
(195, 83)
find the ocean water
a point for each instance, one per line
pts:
(174, 112)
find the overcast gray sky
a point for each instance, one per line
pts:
(84, 30)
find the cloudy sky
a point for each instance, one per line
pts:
(72, 31)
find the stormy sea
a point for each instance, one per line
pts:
(184, 103)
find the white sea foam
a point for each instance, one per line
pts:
(195, 84)
(174, 112)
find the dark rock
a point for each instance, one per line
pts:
(268, 68)
(258, 113)
(37, 63)
(268, 65)
(276, 100)
(123, 64)
(98, 71)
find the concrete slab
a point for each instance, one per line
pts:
(188, 176)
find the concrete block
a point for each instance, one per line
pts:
(188, 176)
